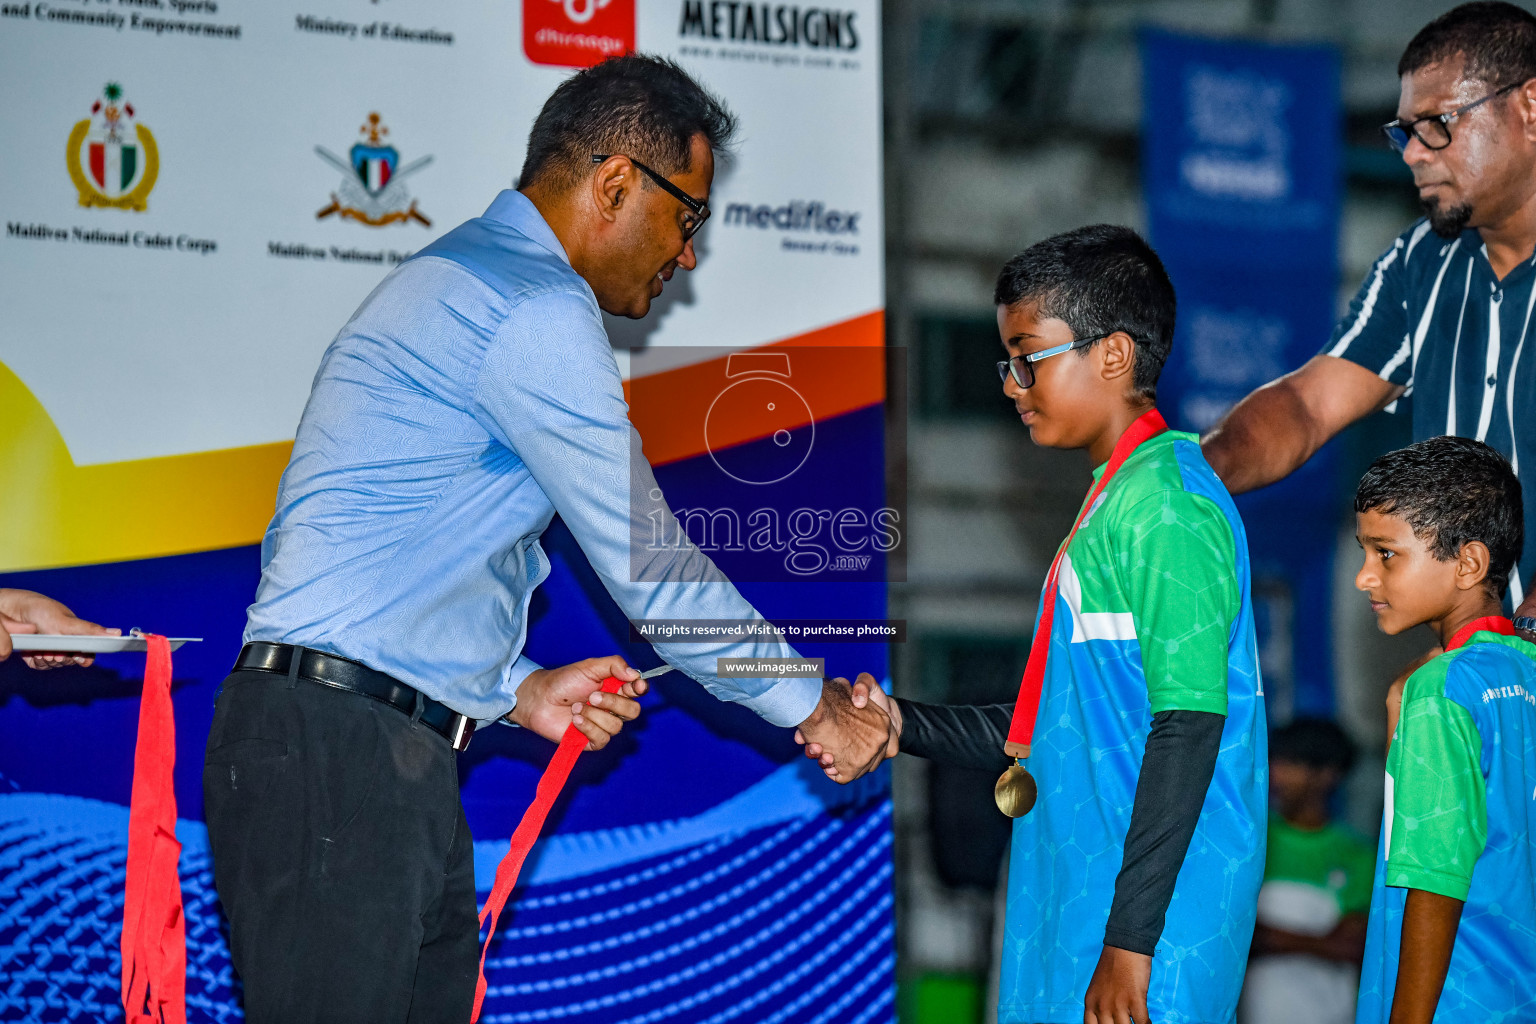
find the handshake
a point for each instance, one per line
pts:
(852, 730)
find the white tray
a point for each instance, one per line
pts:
(89, 644)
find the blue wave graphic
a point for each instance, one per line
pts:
(774, 906)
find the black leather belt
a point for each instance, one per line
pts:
(329, 670)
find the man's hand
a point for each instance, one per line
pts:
(25, 611)
(1118, 992)
(552, 698)
(864, 691)
(1527, 609)
(854, 738)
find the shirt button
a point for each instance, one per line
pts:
(1492, 380)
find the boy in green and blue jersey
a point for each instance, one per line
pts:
(1133, 882)
(1452, 932)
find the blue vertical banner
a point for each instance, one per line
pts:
(1241, 165)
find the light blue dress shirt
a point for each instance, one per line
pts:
(472, 396)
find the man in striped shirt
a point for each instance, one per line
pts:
(1443, 322)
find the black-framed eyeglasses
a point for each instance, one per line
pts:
(699, 208)
(1434, 131)
(1023, 367)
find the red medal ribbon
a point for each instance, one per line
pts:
(550, 784)
(1021, 731)
(154, 941)
(1486, 624)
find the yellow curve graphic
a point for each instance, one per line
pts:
(55, 513)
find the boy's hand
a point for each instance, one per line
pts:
(864, 690)
(1118, 992)
(552, 698)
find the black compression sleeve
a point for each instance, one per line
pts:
(963, 735)
(1175, 774)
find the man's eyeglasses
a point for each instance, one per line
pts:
(1435, 130)
(697, 207)
(1023, 367)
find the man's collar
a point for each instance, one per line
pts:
(517, 211)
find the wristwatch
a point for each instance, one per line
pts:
(1526, 623)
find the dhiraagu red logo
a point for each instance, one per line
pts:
(577, 33)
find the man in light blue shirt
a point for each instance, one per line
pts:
(471, 397)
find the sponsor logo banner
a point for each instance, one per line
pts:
(817, 28)
(577, 33)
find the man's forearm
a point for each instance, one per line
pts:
(1264, 438)
(1269, 434)
(1429, 934)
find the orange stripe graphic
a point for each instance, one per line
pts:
(55, 513)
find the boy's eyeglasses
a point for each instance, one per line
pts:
(1023, 367)
(699, 208)
(1435, 130)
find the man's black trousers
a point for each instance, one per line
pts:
(341, 855)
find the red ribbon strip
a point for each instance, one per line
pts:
(154, 942)
(1486, 624)
(550, 784)
(1021, 730)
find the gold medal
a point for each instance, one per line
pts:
(1015, 791)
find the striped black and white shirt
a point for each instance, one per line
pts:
(1433, 317)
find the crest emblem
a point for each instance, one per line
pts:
(113, 160)
(372, 189)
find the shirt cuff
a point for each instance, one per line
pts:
(520, 671)
(786, 703)
(1132, 942)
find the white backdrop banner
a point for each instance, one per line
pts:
(196, 195)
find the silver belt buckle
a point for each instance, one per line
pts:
(463, 730)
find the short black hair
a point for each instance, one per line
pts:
(1314, 742)
(1498, 41)
(1097, 280)
(642, 106)
(1451, 491)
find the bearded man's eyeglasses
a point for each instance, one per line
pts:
(1434, 131)
(1023, 367)
(697, 208)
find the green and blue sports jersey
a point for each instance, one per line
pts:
(1153, 614)
(1460, 812)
